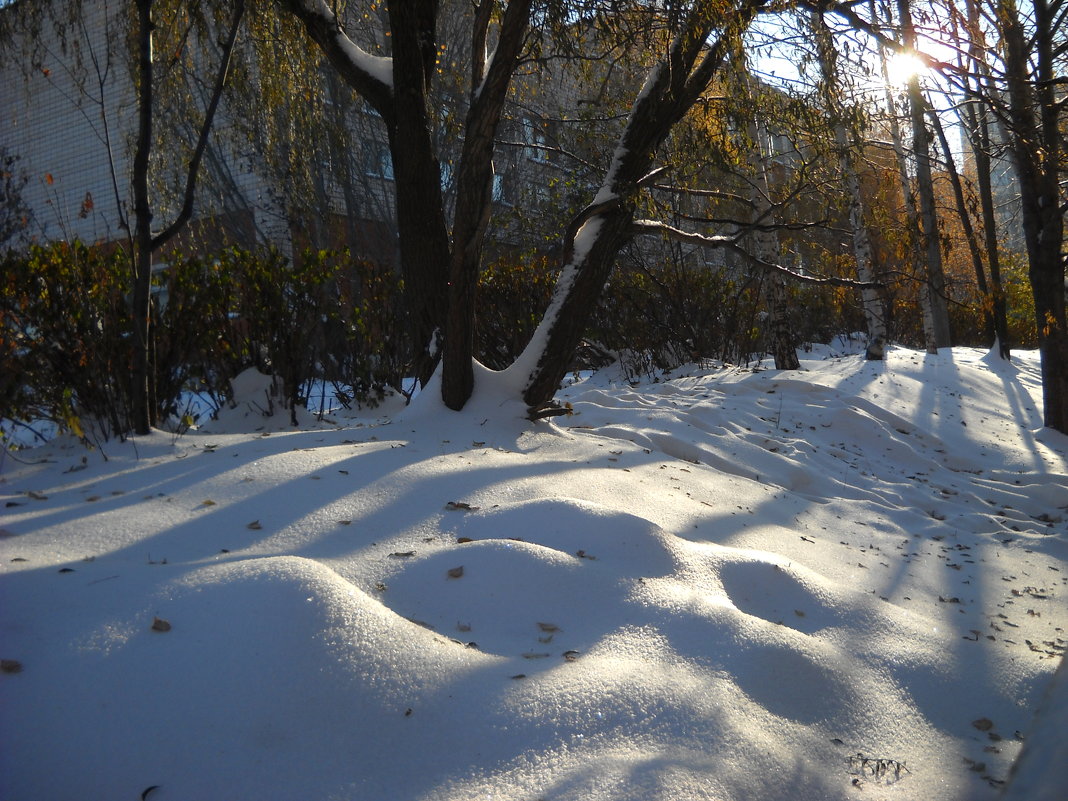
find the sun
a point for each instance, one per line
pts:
(901, 67)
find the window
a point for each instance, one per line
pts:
(377, 160)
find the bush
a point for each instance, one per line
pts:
(66, 351)
(67, 338)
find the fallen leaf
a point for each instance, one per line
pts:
(548, 627)
(519, 676)
(402, 554)
(531, 655)
(460, 505)
(983, 724)
(37, 496)
(462, 540)
(254, 525)
(208, 502)
(10, 666)
(66, 570)
(456, 572)
(571, 656)
(159, 624)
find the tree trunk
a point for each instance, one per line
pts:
(766, 249)
(1037, 146)
(595, 236)
(474, 194)
(977, 128)
(966, 224)
(141, 394)
(875, 315)
(998, 310)
(424, 238)
(934, 288)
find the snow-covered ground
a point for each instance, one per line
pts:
(845, 582)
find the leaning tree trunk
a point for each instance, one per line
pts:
(597, 233)
(970, 235)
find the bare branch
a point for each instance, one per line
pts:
(730, 243)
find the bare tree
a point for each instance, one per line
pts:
(143, 240)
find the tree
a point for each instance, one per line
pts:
(933, 291)
(875, 314)
(1032, 114)
(696, 41)
(1019, 80)
(143, 240)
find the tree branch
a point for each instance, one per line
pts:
(646, 227)
(205, 129)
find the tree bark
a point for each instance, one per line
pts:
(934, 287)
(1033, 125)
(474, 193)
(141, 395)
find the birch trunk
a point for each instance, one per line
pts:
(863, 253)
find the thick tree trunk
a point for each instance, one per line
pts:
(1034, 119)
(423, 237)
(423, 234)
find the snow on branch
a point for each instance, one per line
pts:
(369, 74)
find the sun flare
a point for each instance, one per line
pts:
(901, 67)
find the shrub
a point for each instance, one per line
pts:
(67, 338)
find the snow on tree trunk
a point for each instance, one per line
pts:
(597, 233)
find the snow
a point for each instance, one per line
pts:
(378, 67)
(515, 377)
(725, 584)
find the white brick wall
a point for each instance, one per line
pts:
(51, 118)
